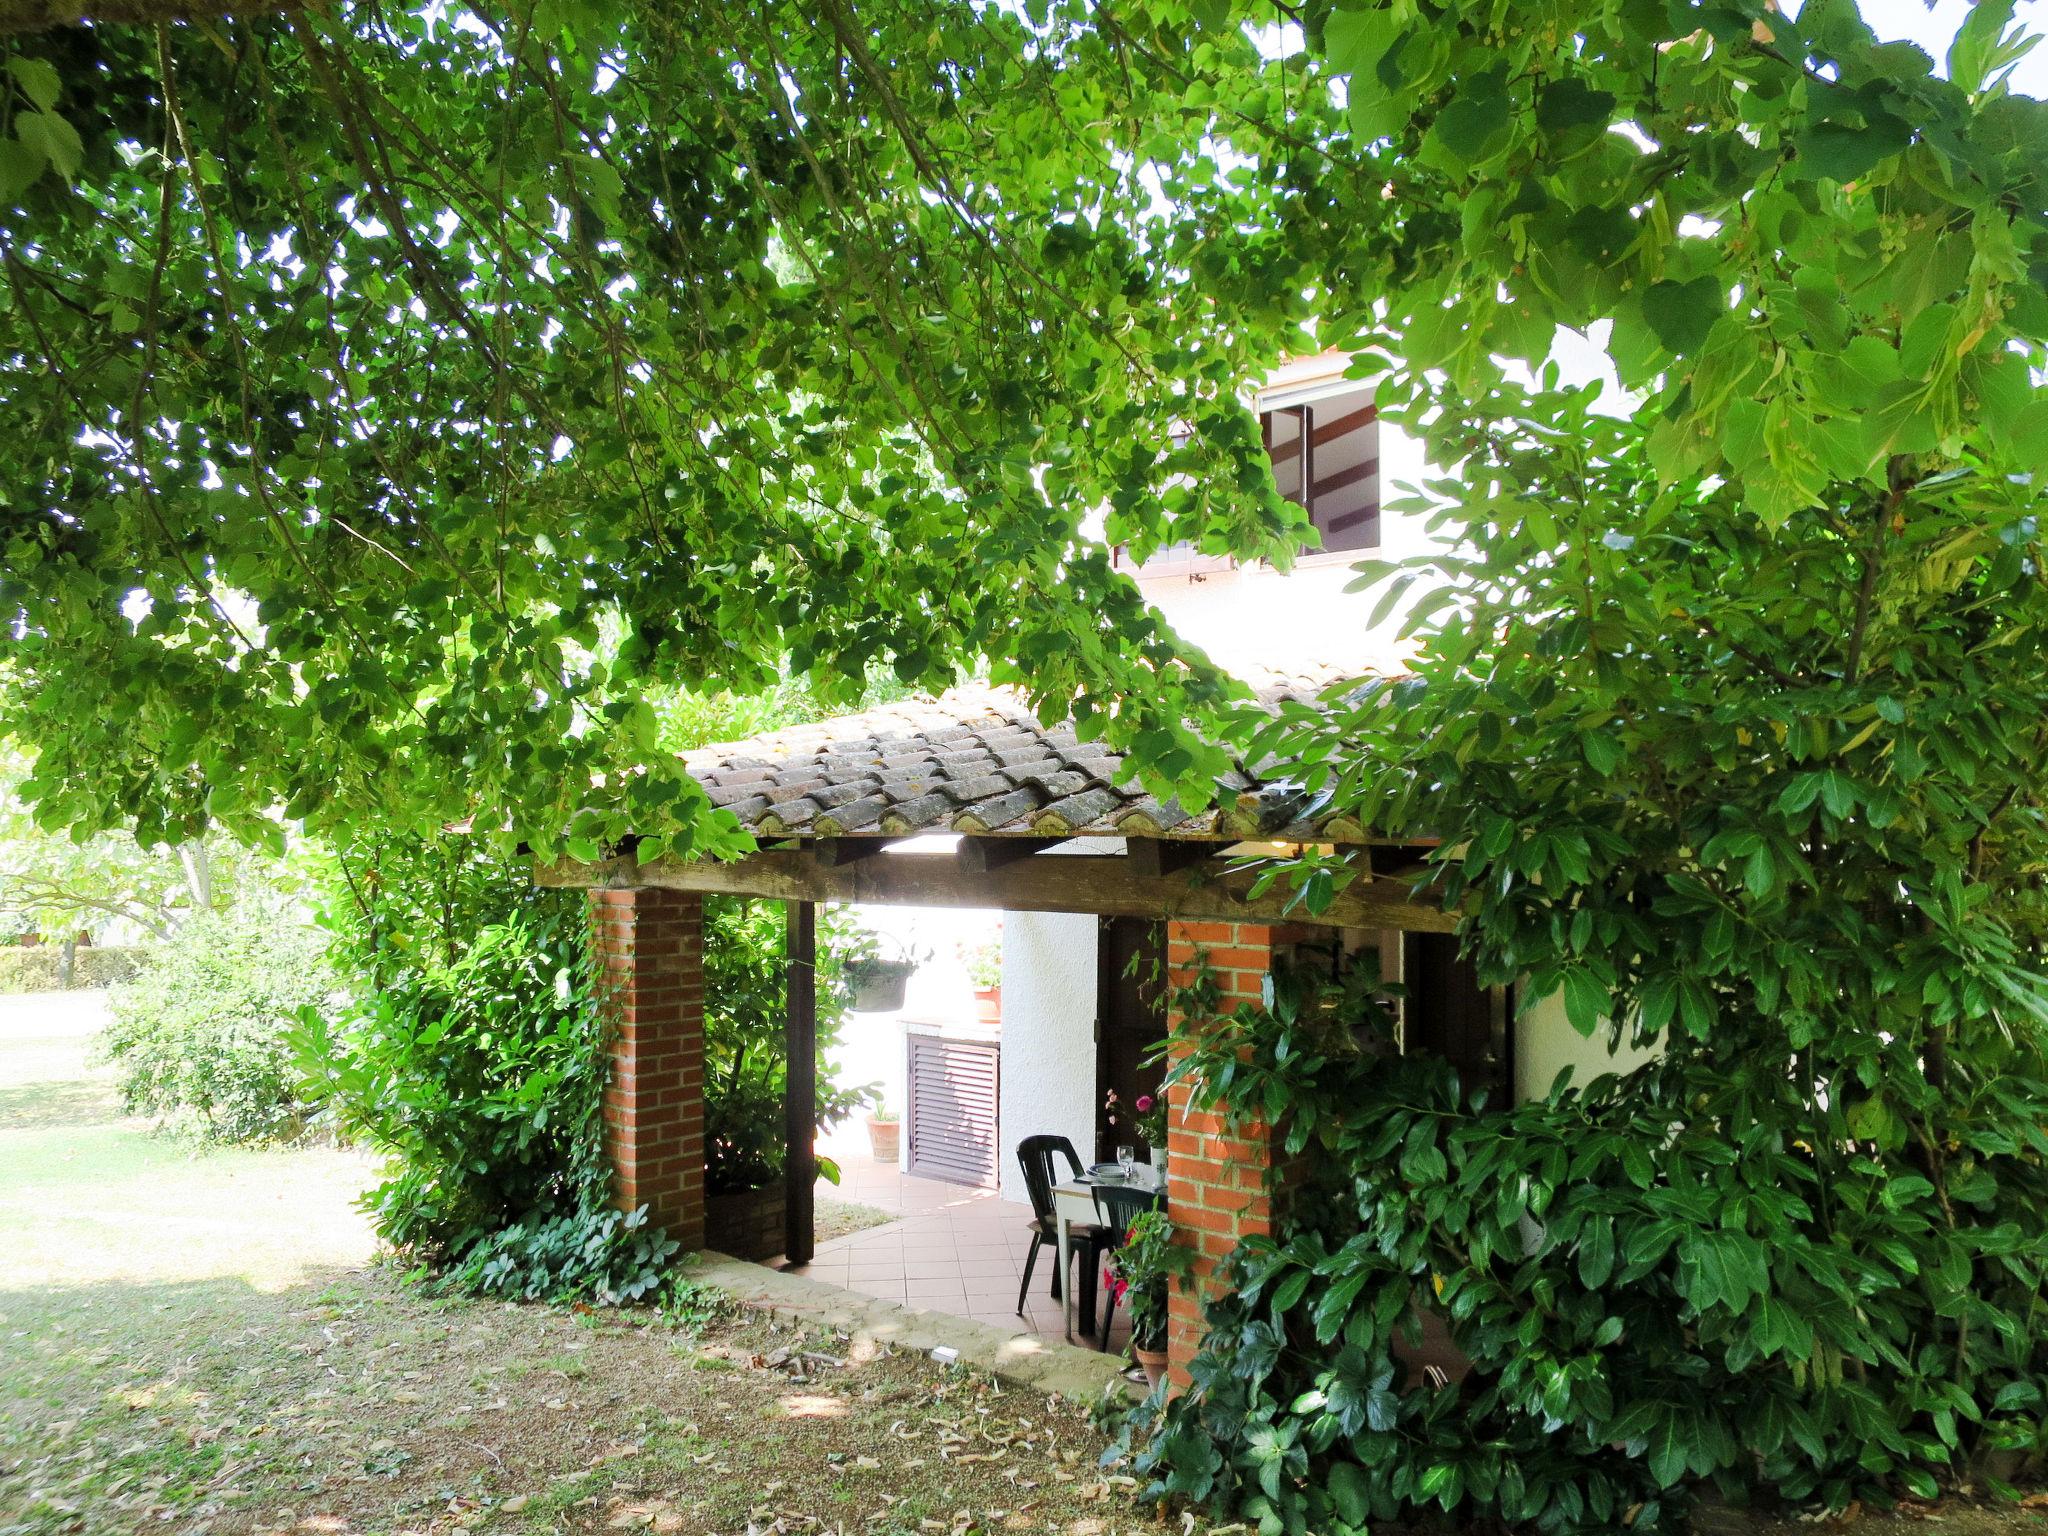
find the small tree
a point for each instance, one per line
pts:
(746, 1064)
(201, 1037)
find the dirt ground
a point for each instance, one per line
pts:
(352, 1404)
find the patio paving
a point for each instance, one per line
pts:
(951, 1249)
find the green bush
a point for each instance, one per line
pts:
(200, 1037)
(745, 1061)
(1720, 1270)
(39, 967)
(475, 1056)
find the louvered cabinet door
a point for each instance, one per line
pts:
(952, 1124)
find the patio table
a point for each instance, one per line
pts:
(1073, 1205)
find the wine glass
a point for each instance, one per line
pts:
(1125, 1156)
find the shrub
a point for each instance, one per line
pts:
(1723, 1269)
(39, 967)
(201, 1035)
(475, 1055)
(745, 1064)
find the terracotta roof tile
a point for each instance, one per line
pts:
(977, 761)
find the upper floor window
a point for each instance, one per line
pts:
(1326, 460)
(1325, 450)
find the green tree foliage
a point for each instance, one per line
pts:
(746, 968)
(475, 1057)
(200, 1037)
(55, 883)
(1818, 255)
(1727, 712)
(1691, 1274)
(376, 359)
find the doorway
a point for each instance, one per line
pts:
(1130, 1022)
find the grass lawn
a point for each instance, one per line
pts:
(200, 1342)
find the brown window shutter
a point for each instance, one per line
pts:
(1326, 460)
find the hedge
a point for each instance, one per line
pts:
(34, 968)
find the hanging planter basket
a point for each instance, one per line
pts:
(878, 985)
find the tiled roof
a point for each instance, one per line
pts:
(977, 761)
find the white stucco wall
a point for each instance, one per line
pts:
(871, 1048)
(1546, 1043)
(1048, 1070)
(1246, 616)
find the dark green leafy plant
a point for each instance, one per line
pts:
(745, 1063)
(476, 1057)
(201, 1036)
(1698, 1273)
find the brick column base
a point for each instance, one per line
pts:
(1218, 1182)
(649, 946)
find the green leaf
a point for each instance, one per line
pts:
(1350, 1491)
(21, 166)
(1681, 314)
(1586, 1001)
(37, 78)
(1474, 127)
(1571, 103)
(1843, 152)
(57, 140)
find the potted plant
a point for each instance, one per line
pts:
(985, 971)
(876, 981)
(1140, 1273)
(885, 1133)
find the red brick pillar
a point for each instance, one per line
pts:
(1218, 1183)
(650, 951)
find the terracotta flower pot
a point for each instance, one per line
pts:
(1154, 1363)
(884, 1138)
(988, 1005)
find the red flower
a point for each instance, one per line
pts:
(1144, 1103)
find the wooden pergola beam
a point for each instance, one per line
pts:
(986, 855)
(850, 850)
(1108, 885)
(1158, 857)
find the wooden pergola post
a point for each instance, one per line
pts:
(800, 1081)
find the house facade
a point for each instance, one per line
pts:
(954, 824)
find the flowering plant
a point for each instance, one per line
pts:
(1145, 1119)
(1139, 1273)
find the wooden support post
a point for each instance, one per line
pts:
(800, 1084)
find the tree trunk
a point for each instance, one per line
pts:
(198, 874)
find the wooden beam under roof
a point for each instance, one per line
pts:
(850, 850)
(1109, 885)
(985, 855)
(1157, 857)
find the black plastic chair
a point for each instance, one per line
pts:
(1117, 1205)
(1036, 1153)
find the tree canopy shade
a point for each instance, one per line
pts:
(392, 396)
(400, 394)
